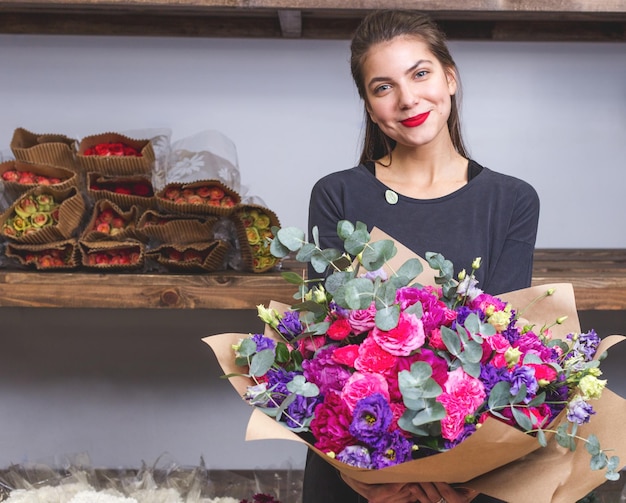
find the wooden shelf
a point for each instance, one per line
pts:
(590, 20)
(598, 276)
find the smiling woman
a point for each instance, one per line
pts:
(416, 182)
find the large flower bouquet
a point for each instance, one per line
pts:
(396, 370)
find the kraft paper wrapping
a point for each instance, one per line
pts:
(498, 460)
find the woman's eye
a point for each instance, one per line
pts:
(421, 74)
(382, 88)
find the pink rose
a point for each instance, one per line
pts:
(494, 347)
(405, 338)
(373, 358)
(362, 320)
(435, 339)
(346, 355)
(484, 301)
(361, 385)
(462, 396)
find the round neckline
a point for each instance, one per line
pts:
(401, 196)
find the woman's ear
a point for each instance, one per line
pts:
(452, 82)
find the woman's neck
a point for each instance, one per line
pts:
(422, 173)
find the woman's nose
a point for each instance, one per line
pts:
(407, 97)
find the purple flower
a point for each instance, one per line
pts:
(371, 419)
(585, 345)
(579, 411)
(531, 343)
(263, 342)
(463, 312)
(355, 455)
(277, 380)
(490, 376)
(392, 449)
(289, 326)
(300, 410)
(326, 373)
(468, 429)
(524, 375)
(340, 312)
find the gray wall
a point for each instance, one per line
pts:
(127, 386)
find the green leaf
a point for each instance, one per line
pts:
(541, 437)
(388, 317)
(406, 423)
(337, 280)
(282, 352)
(538, 400)
(473, 352)
(385, 294)
(321, 259)
(472, 369)
(306, 252)
(598, 461)
(500, 395)
(434, 411)
(300, 386)
(472, 323)
(318, 328)
(247, 347)
(377, 254)
(593, 445)
(292, 277)
(410, 270)
(310, 306)
(532, 358)
(417, 309)
(520, 395)
(261, 362)
(315, 234)
(451, 339)
(613, 463)
(345, 228)
(356, 242)
(522, 419)
(358, 293)
(277, 249)
(291, 237)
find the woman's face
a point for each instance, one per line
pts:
(408, 91)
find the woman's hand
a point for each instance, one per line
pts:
(439, 492)
(436, 492)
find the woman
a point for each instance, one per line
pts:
(416, 182)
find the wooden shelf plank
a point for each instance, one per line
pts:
(590, 20)
(598, 277)
(227, 290)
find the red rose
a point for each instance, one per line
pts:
(331, 425)
(339, 329)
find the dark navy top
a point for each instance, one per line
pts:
(494, 216)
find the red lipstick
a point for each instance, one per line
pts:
(416, 120)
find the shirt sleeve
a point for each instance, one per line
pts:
(513, 268)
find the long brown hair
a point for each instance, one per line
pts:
(383, 26)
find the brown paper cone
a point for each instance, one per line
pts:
(498, 459)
